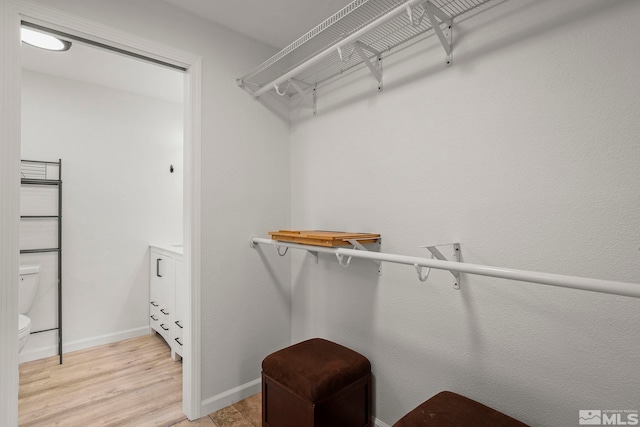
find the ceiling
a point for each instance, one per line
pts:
(277, 23)
(100, 67)
(274, 22)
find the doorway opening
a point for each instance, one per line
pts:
(189, 222)
(117, 124)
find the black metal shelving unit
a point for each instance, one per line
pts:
(58, 249)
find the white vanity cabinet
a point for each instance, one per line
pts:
(166, 295)
(181, 305)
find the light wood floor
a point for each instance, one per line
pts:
(129, 383)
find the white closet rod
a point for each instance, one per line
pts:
(328, 51)
(573, 282)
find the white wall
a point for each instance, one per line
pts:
(9, 218)
(118, 196)
(526, 152)
(245, 191)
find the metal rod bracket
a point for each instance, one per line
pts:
(359, 246)
(340, 258)
(286, 249)
(315, 254)
(454, 251)
(422, 276)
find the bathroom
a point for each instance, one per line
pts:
(116, 123)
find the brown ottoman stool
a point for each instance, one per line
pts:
(447, 409)
(316, 383)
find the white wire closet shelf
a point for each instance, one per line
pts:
(359, 33)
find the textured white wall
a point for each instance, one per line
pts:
(526, 152)
(9, 182)
(245, 189)
(118, 196)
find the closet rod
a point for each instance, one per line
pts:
(573, 282)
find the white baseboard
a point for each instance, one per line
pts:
(105, 339)
(378, 423)
(37, 353)
(229, 397)
(27, 355)
(243, 391)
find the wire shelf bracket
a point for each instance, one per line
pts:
(446, 36)
(307, 93)
(376, 66)
(430, 11)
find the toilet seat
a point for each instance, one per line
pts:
(24, 325)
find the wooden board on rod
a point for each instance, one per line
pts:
(323, 238)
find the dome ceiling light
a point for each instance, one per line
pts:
(43, 41)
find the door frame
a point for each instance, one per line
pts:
(13, 13)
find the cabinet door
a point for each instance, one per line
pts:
(181, 302)
(162, 272)
(181, 291)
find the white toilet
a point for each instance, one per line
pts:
(27, 287)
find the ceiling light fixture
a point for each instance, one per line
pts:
(43, 41)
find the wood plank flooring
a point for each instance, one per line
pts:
(128, 383)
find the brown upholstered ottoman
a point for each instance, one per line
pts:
(316, 383)
(447, 409)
